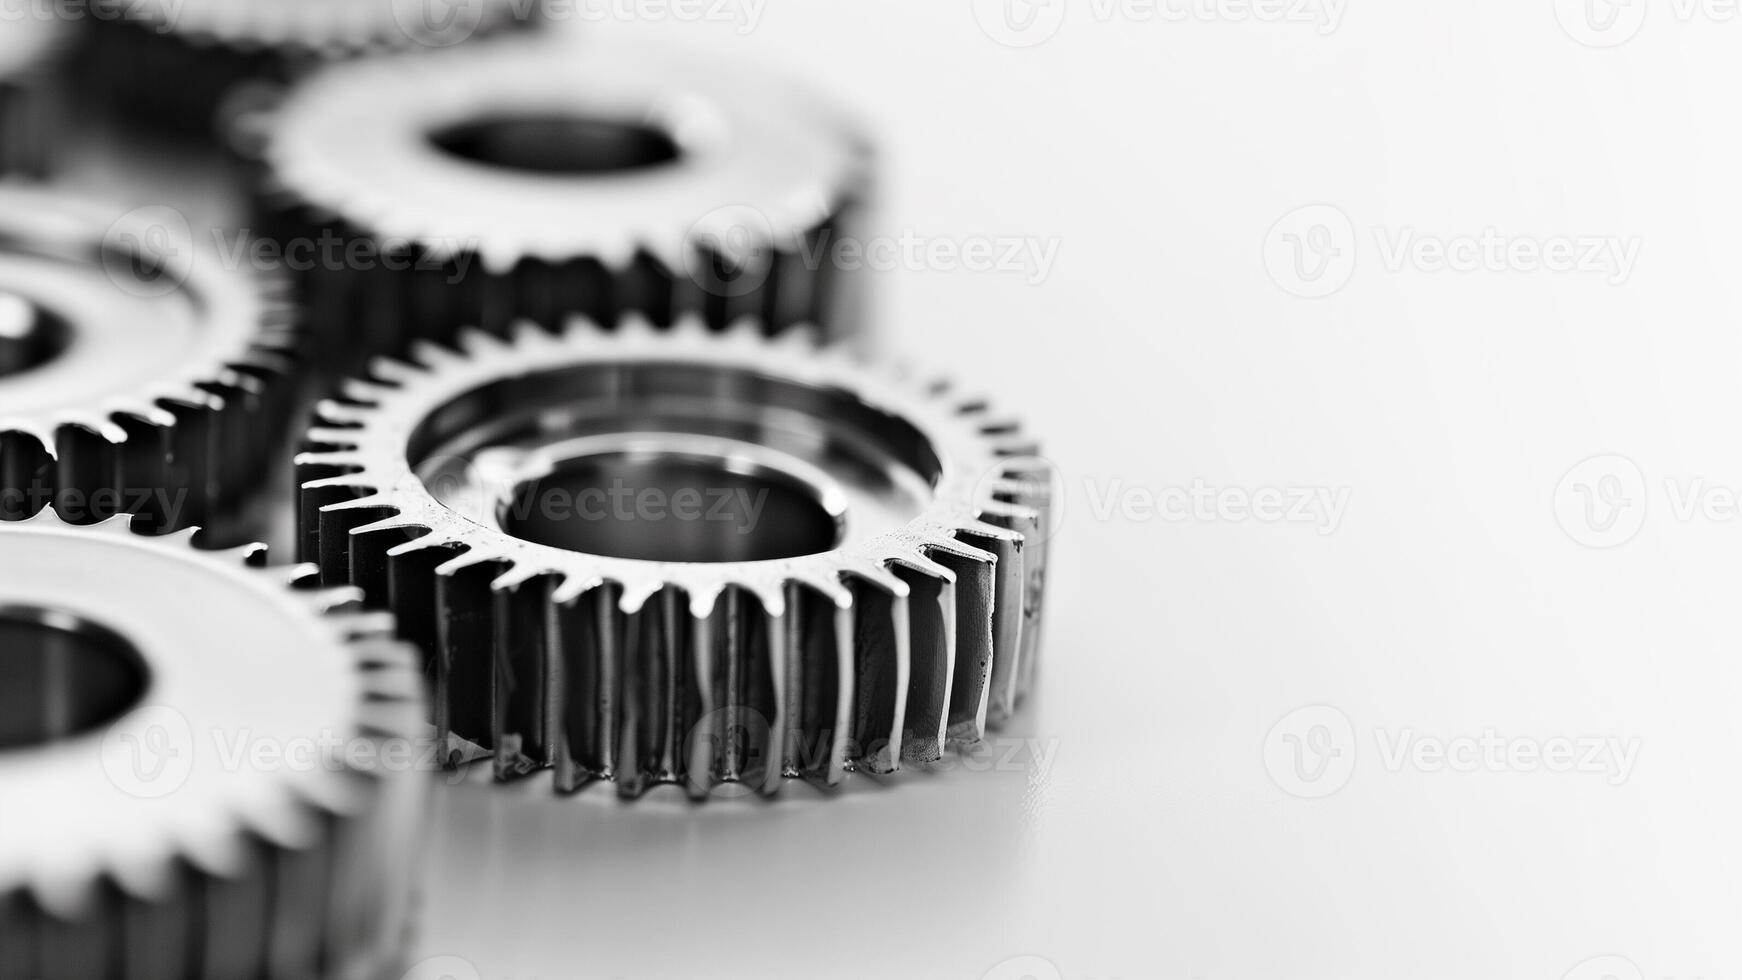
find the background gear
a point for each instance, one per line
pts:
(514, 178)
(144, 832)
(137, 372)
(888, 602)
(195, 53)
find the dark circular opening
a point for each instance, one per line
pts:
(558, 144)
(670, 509)
(62, 676)
(30, 336)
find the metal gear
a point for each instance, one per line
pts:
(887, 606)
(520, 178)
(144, 834)
(197, 53)
(30, 50)
(137, 373)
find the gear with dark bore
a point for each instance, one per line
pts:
(205, 772)
(138, 373)
(686, 556)
(518, 178)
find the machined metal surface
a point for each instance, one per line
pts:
(523, 177)
(143, 831)
(686, 556)
(138, 373)
(197, 53)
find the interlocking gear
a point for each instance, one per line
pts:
(200, 773)
(138, 374)
(175, 62)
(520, 178)
(686, 556)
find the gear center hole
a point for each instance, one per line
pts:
(30, 336)
(671, 509)
(561, 145)
(62, 676)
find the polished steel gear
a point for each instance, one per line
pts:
(176, 62)
(30, 50)
(685, 556)
(138, 373)
(200, 765)
(523, 178)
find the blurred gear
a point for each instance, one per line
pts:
(30, 54)
(685, 556)
(176, 62)
(522, 178)
(200, 767)
(137, 373)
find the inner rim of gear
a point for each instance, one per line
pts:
(118, 309)
(559, 144)
(675, 462)
(30, 335)
(64, 675)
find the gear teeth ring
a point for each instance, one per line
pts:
(142, 846)
(885, 609)
(31, 53)
(200, 54)
(514, 179)
(137, 373)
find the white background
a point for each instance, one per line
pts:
(1459, 594)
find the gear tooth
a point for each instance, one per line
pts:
(393, 371)
(657, 697)
(430, 356)
(521, 610)
(466, 682)
(976, 623)
(932, 624)
(346, 438)
(883, 662)
(477, 343)
(586, 637)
